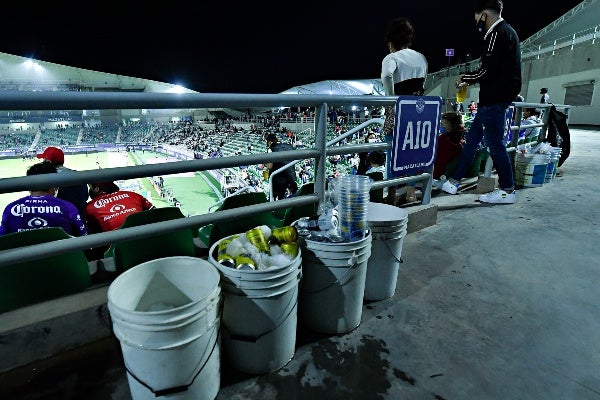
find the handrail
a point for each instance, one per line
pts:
(335, 140)
(107, 100)
(103, 100)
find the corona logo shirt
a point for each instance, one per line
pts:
(108, 211)
(35, 212)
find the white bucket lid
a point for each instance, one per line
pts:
(385, 214)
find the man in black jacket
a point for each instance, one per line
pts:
(283, 180)
(499, 79)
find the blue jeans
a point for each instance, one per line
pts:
(489, 125)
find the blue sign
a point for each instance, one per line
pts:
(414, 140)
(508, 118)
(449, 52)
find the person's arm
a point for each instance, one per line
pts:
(78, 225)
(388, 66)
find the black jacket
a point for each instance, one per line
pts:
(499, 75)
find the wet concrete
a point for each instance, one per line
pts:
(492, 302)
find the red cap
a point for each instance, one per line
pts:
(53, 154)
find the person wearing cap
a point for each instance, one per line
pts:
(107, 209)
(284, 180)
(40, 209)
(76, 194)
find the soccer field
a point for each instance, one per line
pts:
(191, 190)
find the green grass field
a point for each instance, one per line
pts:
(192, 190)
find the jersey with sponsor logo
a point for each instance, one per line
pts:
(107, 212)
(35, 212)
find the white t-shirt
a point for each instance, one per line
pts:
(400, 66)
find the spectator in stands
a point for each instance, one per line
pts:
(376, 160)
(109, 206)
(449, 142)
(472, 107)
(76, 194)
(499, 79)
(530, 116)
(363, 157)
(284, 180)
(545, 99)
(403, 72)
(41, 209)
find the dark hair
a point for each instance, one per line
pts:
(271, 137)
(377, 157)
(495, 5)
(400, 33)
(454, 118)
(44, 167)
(531, 110)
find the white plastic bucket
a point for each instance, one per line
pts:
(259, 315)
(530, 169)
(165, 315)
(388, 225)
(259, 333)
(332, 290)
(184, 372)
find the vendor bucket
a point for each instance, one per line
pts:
(333, 284)
(388, 225)
(259, 315)
(165, 313)
(530, 169)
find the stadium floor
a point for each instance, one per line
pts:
(492, 302)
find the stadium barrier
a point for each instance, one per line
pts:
(91, 100)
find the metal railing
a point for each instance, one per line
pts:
(100, 101)
(321, 149)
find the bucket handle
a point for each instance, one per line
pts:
(399, 260)
(254, 339)
(352, 262)
(180, 388)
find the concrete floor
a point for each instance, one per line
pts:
(492, 302)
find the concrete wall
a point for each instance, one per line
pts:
(555, 72)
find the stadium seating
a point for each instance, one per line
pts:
(30, 282)
(130, 253)
(210, 234)
(294, 213)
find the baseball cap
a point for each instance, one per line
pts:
(53, 154)
(108, 187)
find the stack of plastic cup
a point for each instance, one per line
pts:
(352, 193)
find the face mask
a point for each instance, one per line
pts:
(370, 140)
(442, 130)
(480, 25)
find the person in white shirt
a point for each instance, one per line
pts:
(403, 72)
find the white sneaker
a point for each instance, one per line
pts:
(499, 196)
(450, 187)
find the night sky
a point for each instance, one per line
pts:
(248, 46)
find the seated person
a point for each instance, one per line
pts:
(41, 209)
(449, 143)
(530, 116)
(376, 160)
(108, 208)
